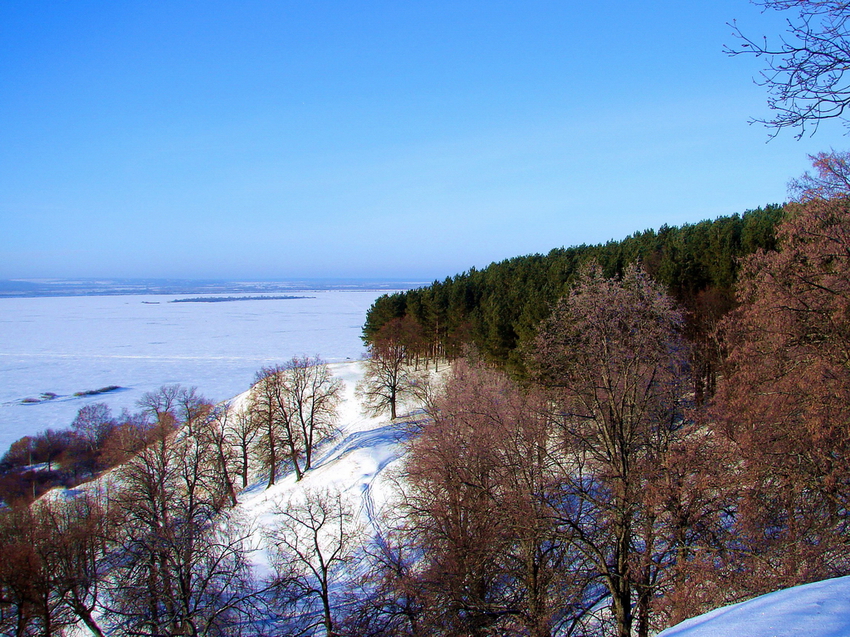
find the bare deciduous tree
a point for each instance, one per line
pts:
(78, 530)
(161, 405)
(29, 595)
(269, 413)
(295, 408)
(314, 542)
(244, 432)
(389, 600)
(785, 400)
(314, 396)
(387, 377)
(50, 565)
(180, 566)
(93, 424)
(831, 178)
(493, 559)
(221, 434)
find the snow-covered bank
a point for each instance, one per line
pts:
(350, 463)
(359, 463)
(821, 609)
(359, 466)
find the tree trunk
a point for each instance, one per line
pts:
(272, 465)
(85, 614)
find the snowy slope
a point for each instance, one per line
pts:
(360, 461)
(357, 463)
(821, 609)
(352, 463)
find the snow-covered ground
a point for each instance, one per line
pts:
(66, 345)
(360, 463)
(357, 464)
(821, 609)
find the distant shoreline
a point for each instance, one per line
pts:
(35, 288)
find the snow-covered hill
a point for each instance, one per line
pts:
(821, 609)
(353, 463)
(357, 464)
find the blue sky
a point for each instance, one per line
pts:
(383, 139)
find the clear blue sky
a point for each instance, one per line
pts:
(391, 139)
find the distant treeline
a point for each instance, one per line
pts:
(226, 299)
(498, 309)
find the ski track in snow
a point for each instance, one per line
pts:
(381, 444)
(356, 463)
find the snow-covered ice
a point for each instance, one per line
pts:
(66, 345)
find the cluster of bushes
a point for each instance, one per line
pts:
(95, 441)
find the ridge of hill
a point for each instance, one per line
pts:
(358, 464)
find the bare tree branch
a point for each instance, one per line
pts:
(805, 71)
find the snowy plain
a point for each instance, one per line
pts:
(66, 345)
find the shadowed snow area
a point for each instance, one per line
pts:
(821, 609)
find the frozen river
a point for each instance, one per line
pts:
(66, 345)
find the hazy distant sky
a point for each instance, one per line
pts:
(397, 139)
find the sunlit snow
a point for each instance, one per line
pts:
(821, 609)
(357, 464)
